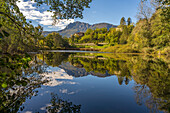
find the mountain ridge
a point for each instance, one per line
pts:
(80, 27)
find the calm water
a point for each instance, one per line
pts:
(59, 81)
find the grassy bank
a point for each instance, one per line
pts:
(94, 46)
(128, 49)
(120, 49)
(73, 48)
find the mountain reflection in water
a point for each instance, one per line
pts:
(86, 82)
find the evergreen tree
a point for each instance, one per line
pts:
(129, 21)
(123, 21)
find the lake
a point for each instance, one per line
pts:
(86, 82)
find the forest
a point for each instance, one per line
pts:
(149, 35)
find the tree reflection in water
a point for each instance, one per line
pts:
(153, 85)
(152, 75)
(61, 106)
(20, 77)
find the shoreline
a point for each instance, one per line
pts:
(99, 50)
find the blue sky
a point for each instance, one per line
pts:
(109, 11)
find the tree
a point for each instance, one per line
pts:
(13, 23)
(49, 41)
(76, 38)
(129, 21)
(61, 9)
(164, 5)
(146, 8)
(71, 40)
(123, 21)
(124, 36)
(160, 34)
(88, 31)
(55, 40)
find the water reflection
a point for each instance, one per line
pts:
(55, 76)
(58, 105)
(147, 76)
(150, 74)
(17, 81)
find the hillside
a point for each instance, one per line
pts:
(80, 27)
(102, 25)
(77, 71)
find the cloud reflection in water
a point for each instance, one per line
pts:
(57, 76)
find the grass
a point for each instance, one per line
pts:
(128, 49)
(120, 49)
(98, 47)
(94, 47)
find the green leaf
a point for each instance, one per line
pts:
(0, 25)
(28, 59)
(5, 33)
(4, 85)
(24, 59)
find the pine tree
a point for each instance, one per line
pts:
(123, 21)
(129, 21)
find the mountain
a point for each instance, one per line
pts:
(80, 27)
(77, 71)
(72, 70)
(102, 25)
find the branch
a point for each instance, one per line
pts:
(17, 24)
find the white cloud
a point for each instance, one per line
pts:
(43, 18)
(26, 5)
(61, 23)
(63, 90)
(28, 112)
(57, 76)
(44, 108)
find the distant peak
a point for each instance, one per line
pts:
(78, 26)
